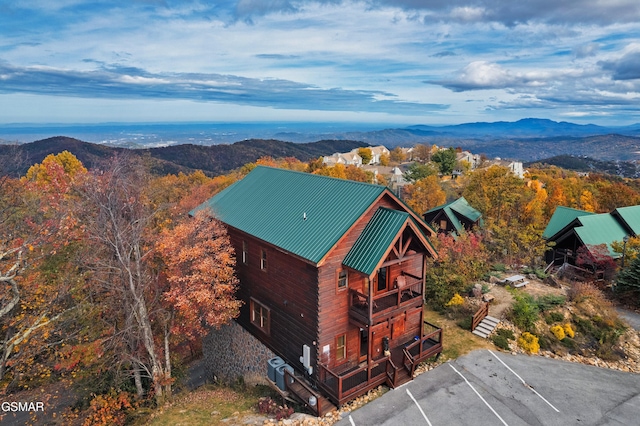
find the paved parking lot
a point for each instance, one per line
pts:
(492, 388)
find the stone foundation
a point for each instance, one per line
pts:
(232, 353)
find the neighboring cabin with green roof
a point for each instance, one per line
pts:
(456, 216)
(333, 269)
(571, 229)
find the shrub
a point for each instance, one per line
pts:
(549, 301)
(529, 342)
(465, 322)
(568, 330)
(267, 405)
(580, 291)
(552, 317)
(506, 333)
(501, 342)
(541, 274)
(456, 300)
(558, 331)
(524, 312)
(499, 267)
(110, 409)
(544, 342)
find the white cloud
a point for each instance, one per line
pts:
(467, 14)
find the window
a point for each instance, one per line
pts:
(245, 252)
(443, 224)
(260, 316)
(263, 259)
(342, 279)
(341, 347)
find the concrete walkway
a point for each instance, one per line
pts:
(632, 318)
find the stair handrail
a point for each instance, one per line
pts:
(480, 315)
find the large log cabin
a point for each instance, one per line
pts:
(332, 274)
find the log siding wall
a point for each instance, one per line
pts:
(288, 287)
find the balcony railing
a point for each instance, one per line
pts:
(386, 302)
(352, 382)
(428, 345)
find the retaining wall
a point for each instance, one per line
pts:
(232, 353)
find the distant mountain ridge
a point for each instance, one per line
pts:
(212, 160)
(525, 140)
(130, 135)
(526, 127)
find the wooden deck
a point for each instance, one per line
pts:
(395, 370)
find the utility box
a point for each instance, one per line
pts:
(272, 364)
(280, 376)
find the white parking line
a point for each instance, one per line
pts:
(523, 382)
(351, 420)
(480, 396)
(419, 408)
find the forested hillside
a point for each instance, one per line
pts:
(212, 160)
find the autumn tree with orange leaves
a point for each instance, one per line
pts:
(200, 271)
(41, 289)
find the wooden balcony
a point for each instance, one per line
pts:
(385, 304)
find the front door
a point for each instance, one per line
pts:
(380, 333)
(364, 344)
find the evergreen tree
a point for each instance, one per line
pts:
(629, 278)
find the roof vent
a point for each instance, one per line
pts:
(304, 216)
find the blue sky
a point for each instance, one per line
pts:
(391, 61)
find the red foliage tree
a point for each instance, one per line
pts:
(200, 272)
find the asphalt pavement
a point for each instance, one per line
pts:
(487, 388)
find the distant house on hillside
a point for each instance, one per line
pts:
(347, 159)
(456, 216)
(376, 153)
(331, 274)
(571, 229)
(394, 176)
(515, 166)
(474, 160)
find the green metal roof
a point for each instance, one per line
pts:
(375, 239)
(459, 207)
(561, 217)
(272, 204)
(631, 216)
(600, 229)
(462, 207)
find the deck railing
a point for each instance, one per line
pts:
(428, 345)
(386, 302)
(479, 315)
(347, 385)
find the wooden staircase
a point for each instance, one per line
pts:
(482, 324)
(402, 377)
(486, 326)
